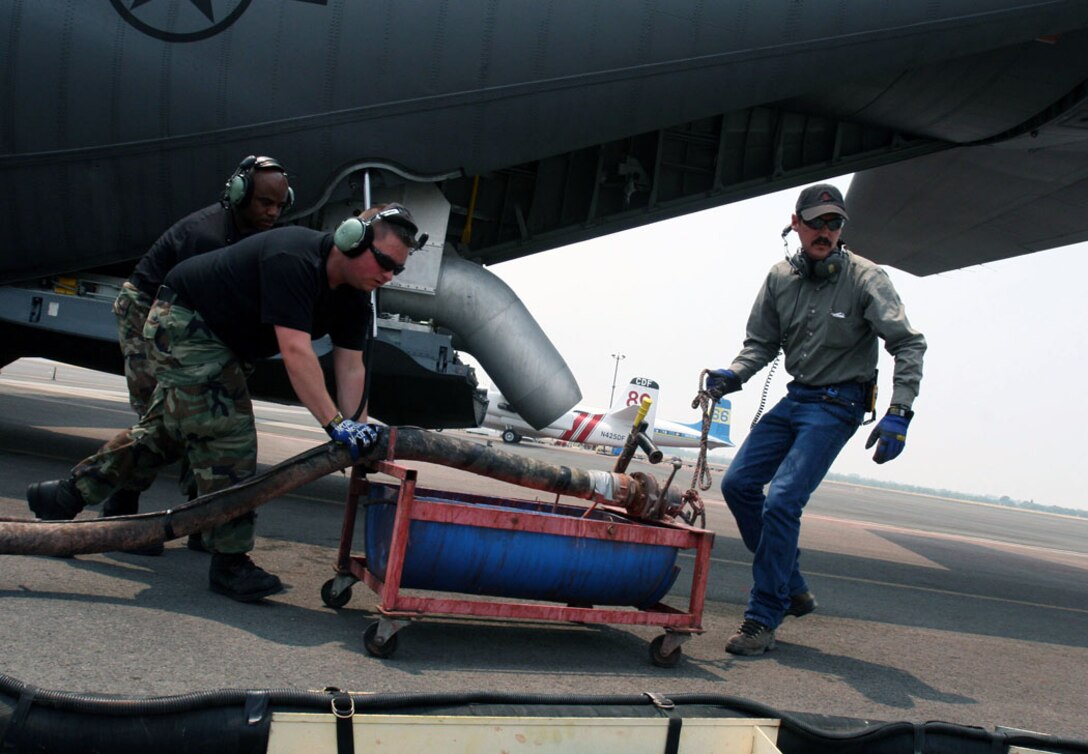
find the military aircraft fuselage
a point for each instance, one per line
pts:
(579, 118)
(534, 124)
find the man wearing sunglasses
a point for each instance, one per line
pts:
(217, 313)
(825, 307)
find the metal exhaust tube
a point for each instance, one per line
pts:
(493, 325)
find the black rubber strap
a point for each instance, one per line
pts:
(919, 738)
(343, 708)
(168, 524)
(257, 726)
(12, 738)
(672, 741)
(667, 707)
(562, 484)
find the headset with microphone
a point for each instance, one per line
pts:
(238, 191)
(812, 269)
(356, 234)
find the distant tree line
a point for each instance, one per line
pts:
(992, 499)
(1005, 500)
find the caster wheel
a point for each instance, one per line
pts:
(373, 648)
(663, 660)
(334, 601)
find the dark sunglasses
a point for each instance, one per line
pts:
(819, 223)
(385, 261)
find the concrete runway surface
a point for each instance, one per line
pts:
(930, 609)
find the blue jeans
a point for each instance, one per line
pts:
(791, 448)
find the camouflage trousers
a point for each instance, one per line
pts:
(200, 410)
(131, 308)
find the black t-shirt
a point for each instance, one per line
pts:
(272, 278)
(205, 230)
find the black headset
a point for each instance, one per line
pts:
(810, 269)
(355, 235)
(238, 190)
(821, 269)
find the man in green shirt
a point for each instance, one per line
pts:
(825, 307)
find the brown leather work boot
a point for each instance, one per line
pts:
(752, 638)
(801, 604)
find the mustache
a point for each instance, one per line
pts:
(821, 240)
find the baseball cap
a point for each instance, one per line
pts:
(821, 199)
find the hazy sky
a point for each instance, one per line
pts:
(1002, 410)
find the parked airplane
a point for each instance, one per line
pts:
(610, 427)
(667, 434)
(511, 129)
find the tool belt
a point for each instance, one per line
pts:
(842, 393)
(848, 394)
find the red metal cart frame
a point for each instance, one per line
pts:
(398, 609)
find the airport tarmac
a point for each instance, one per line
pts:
(930, 609)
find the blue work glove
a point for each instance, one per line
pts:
(890, 433)
(720, 382)
(356, 435)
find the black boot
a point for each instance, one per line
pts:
(239, 578)
(58, 500)
(121, 503)
(127, 503)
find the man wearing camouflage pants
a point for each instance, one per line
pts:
(253, 199)
(217, 313)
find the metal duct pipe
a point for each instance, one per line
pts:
(493, 325)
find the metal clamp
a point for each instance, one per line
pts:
(342, 712)
(661, 702)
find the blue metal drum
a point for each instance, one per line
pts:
(519, 564)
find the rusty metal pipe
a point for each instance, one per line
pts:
(26, 537)
(128, 532)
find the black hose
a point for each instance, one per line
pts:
(795, 735)
(222, 731)
(103, 704)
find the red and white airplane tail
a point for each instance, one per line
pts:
(612, 426)
(580, 425)
(638, 390)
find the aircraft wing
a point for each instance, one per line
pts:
(976, 204)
